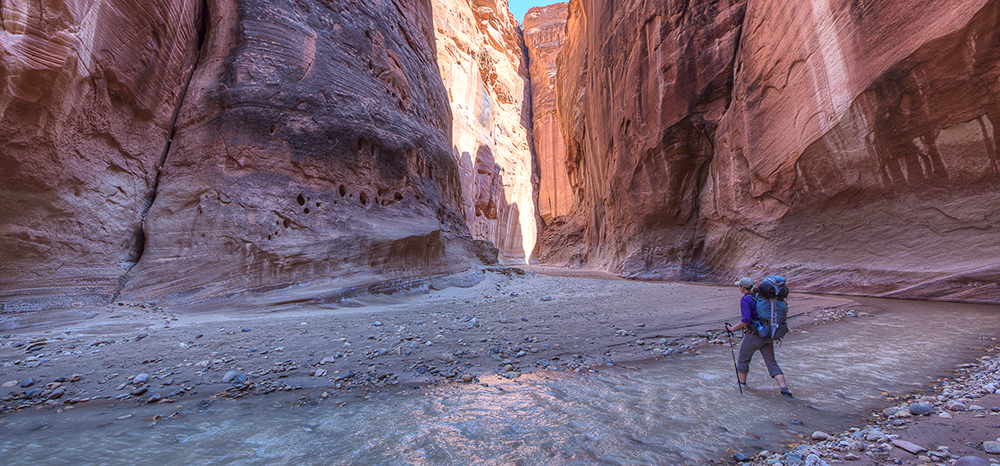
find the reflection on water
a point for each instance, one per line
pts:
(678, 412)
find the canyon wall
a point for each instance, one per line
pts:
(88, 95)
(849, 145)
(482, 62)
(544, 35)
(311, 148)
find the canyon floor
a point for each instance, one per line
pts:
(513, 322)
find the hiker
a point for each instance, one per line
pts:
(752, 342)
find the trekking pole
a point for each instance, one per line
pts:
(735, 367)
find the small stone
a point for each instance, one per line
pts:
(992, 447)
(75, 378)
(971, 461)
(377, 324)
(851, 457)
(819, 435)
(903, 413)
(139, 391)
(447, 357)
(27, 382)
(141, 336)
(814, 460)
(921, 409)
(467, 378)
(887, 412)
(229, 376)
(153, 399)
(874, 435)
(741, 457)
(140, 379)
(9, 384)
(976, 408)
(56, 394)
(909, 447)
(320, 373)
(955, 405)
(546, 298)
(944, 415)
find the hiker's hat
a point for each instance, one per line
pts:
(745, 282)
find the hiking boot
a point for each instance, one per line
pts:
(785, 391)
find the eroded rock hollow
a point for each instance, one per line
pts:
(849, 145)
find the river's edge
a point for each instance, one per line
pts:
(940, 424)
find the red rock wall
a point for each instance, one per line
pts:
(312, 147)
(849, 146)
(88, 93)
(544, 35)
(483, 64)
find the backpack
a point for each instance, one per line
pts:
(771, 307)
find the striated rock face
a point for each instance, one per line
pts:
(544, 35)
(849, 145)
(88, 94)
(641, 91)
(482, 62)
(312, 146)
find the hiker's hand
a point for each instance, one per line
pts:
(727, 327)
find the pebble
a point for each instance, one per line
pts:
(229, 376)
(56, 394)
(954, 405)
(851, 457)
(909, 447)
(992, 447)
(9, 384)
(320, 373)
(819, 435)
(141, 336)
(887, 412)
(921, 409)
(814, 460)
(140, 379)
(75, 378)
(153, 399)
(971, 461)
(27, 382)
(741, 457)
(467, 378)
(447, 357)
(139, 391)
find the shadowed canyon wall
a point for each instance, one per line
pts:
(483, 64)
(849, 145)
(312, 144)
(544, 34)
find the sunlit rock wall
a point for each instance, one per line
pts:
(483, 64)
(849, 145)
(544, 35)
(88, 93)
(313, 145)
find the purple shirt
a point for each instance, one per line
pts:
(748, 308)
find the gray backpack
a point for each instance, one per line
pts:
(771, 307)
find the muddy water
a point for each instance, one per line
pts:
(682, 411)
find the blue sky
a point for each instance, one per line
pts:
(520, 7)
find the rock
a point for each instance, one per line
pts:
(487, 79)
(814, 460)
(891, 411)
(56, 394)
(909, 447)
(467, 378)
(976, 408)
(741, 457)
(971, 461)
(9, 383)
(140, 379)
(27, 382)
(921, 409)
(139, 390)
(818, 435)
(75, 378)
(874, 435)
(141, 336)
(992, 447)
(320, 373)
(851, 457)
(377, 324)
(230, 376)
(903, 413)
(944, 414)
(447, 358)
(954, 405)
(544, 35)
(639, 140)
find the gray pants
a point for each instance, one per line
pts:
(752, 343)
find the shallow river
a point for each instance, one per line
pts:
(681, 411)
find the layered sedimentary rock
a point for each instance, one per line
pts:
(483, 65)
(313, 145)
(849, 145)
(544, 35)
(88, 94)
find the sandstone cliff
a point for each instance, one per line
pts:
(849, 145)
(88, 95)
(483, 65)
(544, 35)
(311, 147)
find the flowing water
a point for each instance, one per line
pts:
(682, 411)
